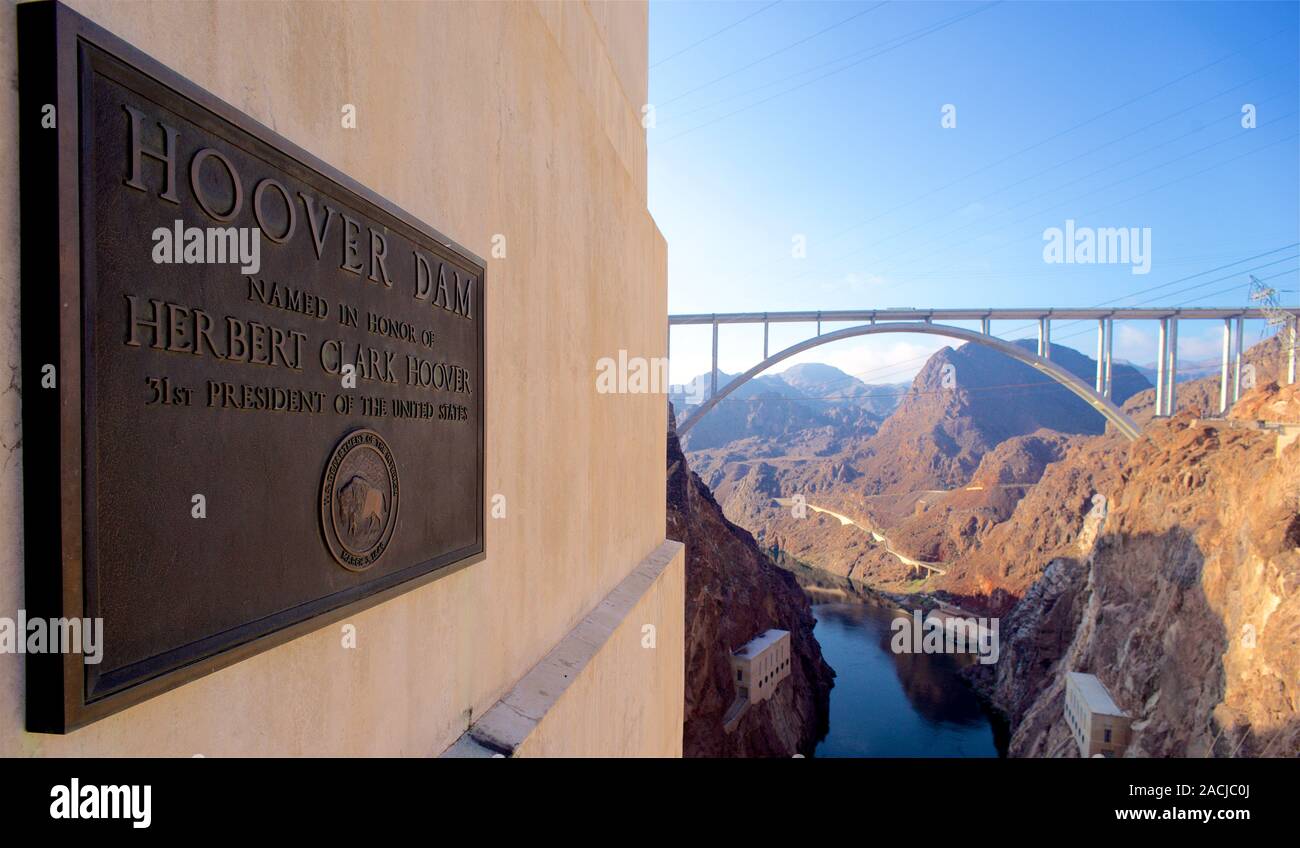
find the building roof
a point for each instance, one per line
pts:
(1095, 695)
(756, 646)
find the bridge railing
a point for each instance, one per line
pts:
(1233, 319)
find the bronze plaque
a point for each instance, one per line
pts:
(267, 409)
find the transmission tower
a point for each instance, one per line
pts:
(1265, 297)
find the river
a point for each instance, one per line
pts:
(896, 705)
(886, 704)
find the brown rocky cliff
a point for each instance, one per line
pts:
(1003, 561)
(1262, 363)
(734, 593)
(945, 528)
(975, 423)
(966, 401)
(1184, 598)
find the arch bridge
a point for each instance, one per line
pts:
(1098, 395)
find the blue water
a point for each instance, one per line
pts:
(895, 705)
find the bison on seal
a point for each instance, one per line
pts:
(362, 505)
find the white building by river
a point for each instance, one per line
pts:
(761, 664)
(1098, 724)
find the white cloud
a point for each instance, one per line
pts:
(1137, 341)
(876, 360)
(854, 282)
(1199, 347)
(872, 359)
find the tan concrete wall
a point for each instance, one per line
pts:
(606, 43)
(479, 118)
(634, 677)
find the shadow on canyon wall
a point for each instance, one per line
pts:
(1136, 614)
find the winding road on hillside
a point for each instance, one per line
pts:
(875, 534)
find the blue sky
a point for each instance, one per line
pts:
(822, 120)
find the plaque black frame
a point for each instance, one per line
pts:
(52, 39)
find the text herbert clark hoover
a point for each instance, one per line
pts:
(162, 325)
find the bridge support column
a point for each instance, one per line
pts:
(1236, 377)
(1101, 355)
(1162, 359)
(1171, 372)
(1110, 342)
(713, 383)
(1290, 356)
(1078, 387)
(985, 327)
(765, 326)
(1045, 337)
(1223, 371)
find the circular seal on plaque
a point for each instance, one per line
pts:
(358, 499)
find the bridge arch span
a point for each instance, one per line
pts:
(1106, 407)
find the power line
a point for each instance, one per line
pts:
(950, 246)
(1119, 182)
(1104, 168)
(824, 76)
(1046, 383)
(1218, 293)
(966, 204)
(1014, 330)
(1186, 301)
(1234, 288)
(1184, 279)
(1036, 274)
(1068, 130)
(1140, 194)
(762, 59)
(1005, 333)
(858, 52)
(714, 34)
(894, 368)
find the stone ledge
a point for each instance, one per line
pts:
(505, 726)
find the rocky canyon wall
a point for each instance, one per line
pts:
(1183, 595)
(734, 593)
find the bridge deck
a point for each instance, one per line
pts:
(905, 320)
(1069, 313)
